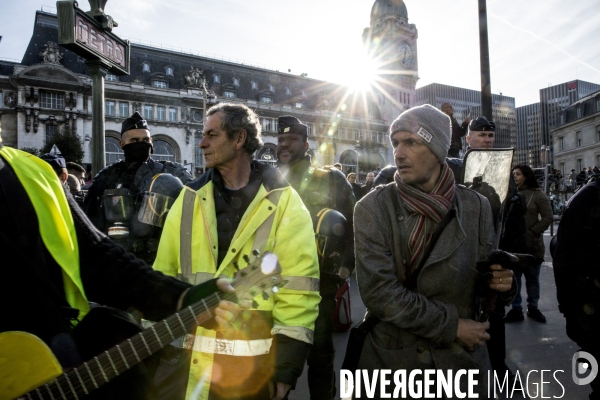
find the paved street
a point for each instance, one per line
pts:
(531, 346)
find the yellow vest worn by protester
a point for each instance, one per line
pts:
(54, 217)
(293, 309)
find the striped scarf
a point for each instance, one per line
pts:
(425, 211)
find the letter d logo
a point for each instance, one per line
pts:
(580, 368)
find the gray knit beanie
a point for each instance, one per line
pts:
(430, 124)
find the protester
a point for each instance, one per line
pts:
(320, 190)
(53, 254)
(577, 273)
(458, 131)
(356, 189)
(236, 206)
(426, 321)
(537, 219)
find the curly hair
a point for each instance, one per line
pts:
(527, 172)
(237, 117)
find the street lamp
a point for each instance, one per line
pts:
(357, 148)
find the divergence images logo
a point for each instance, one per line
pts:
(580, 368)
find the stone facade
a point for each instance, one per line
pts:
(50, 89)
(576, 139)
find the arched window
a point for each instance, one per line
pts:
(163, 151)
(113, 150)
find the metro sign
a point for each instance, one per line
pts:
(85, 36)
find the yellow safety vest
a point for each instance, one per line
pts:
(290, 236)
(54, 217)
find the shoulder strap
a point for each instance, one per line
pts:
(263, 231)
(185, 235)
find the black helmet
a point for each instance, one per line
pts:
(331, 235)
(157, 199)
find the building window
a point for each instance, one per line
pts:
(269, 124)
(113, 150)
(598, 105)
(579, 165)
(578, 112)
(309, 129)
(198, 153)
(1, 100)
(236, 81)
(52, 100)
(562, 168)
(265, 99)
(109, 107)
(299, 105)
(51, 130)
(254, 85)
(288, 92)
(303, 93)
(216, 79)
(146, 66)
(229, 94)
(578, 139)
(111, 78)
(163, 151)
(172, 114)
(160, 84)
(161, 113)
(148, 112)
(169, 70)
(598, 137)
(408, 99)
(271, 88)
(124, 109)
(561, 143)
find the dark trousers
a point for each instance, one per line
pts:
(321, 374)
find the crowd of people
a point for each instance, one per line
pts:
(148, 240)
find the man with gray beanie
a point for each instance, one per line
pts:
(417, 241)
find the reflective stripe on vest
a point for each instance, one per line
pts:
(57, 228)
(241, 348)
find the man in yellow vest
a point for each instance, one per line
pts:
(54, 261)
(237, 206)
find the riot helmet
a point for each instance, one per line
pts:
(331, 231)
(158, 198)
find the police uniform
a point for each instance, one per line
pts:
(322, 188)
(132, 177)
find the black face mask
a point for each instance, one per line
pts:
(137, 152)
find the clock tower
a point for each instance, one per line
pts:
(392, 43)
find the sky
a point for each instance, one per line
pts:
(533, 43)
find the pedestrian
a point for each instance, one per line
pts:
(577, 273)
(127, 180)
(366, 188)
(320, 190)
(538, 218)
(356, 189)
(424, 297)
(51, 250)
(236, 206)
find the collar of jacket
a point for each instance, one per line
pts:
(271, 178)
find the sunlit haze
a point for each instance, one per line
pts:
(533, 44)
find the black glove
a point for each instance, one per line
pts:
(202, 291)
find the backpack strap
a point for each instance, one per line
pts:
(185, 235)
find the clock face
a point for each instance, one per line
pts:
(405, 55)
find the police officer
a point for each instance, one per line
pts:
(319, 189)
(116, 195)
